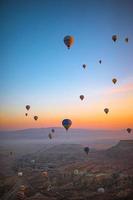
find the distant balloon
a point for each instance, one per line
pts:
(26, 114)
(114, 80)
(100, 61)
(106, 110)
(11, 153)
(84, 66)
(68, 40)
(50, 136)
(35, 118)
(81, 97)
(126, 40)
(129, 130)
(86, 149)
(27, 107)
(114, 38)
(53, 130)
(66, 123)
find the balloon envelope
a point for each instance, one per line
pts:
(86, 149)
(84, 66)
(53, 130)
(27, 107)
(50, 136)
(35, 118)
(114, 38)
(66, 123)
(114, 80)
(126, 40)
(129, 130)
(68, 40)
(106, 110)
(81, 97)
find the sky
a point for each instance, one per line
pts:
(37, 69)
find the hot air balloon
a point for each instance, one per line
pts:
(84, 66)
(35, 118)
(68, 40)
(66, 123)
(11, 153)
(53, 130)
(81, 97)
(86, 149)
(126, 40)
(129, 130)
(27, 107)
(100, 61)
(114, 38)
(50, 136)
(26, 114)
(114, 80)
(106, 110)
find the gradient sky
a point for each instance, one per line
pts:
(36, 68)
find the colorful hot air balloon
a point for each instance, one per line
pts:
(114, 38)
(84, 66)
(114, 80)
(126, 40)
(81, 97)
(86, 149)
(35, 118)
(100, 61)
(68, 40)
(106, 110)
(27, 107)
(129, 130)
(66, 123)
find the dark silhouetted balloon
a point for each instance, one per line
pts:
(106, 110)
(53, 130)
(50, 136)
(129, 130)
(35, 118)
(100, 61)
(27, 107)
(81, 97)
(66, 123)
(26, 114)
(86, 149)
(114, 80)
(114, 38)
(126, 40)
(68, 40)
(84, 66)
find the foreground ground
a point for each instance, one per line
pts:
(65, 172)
